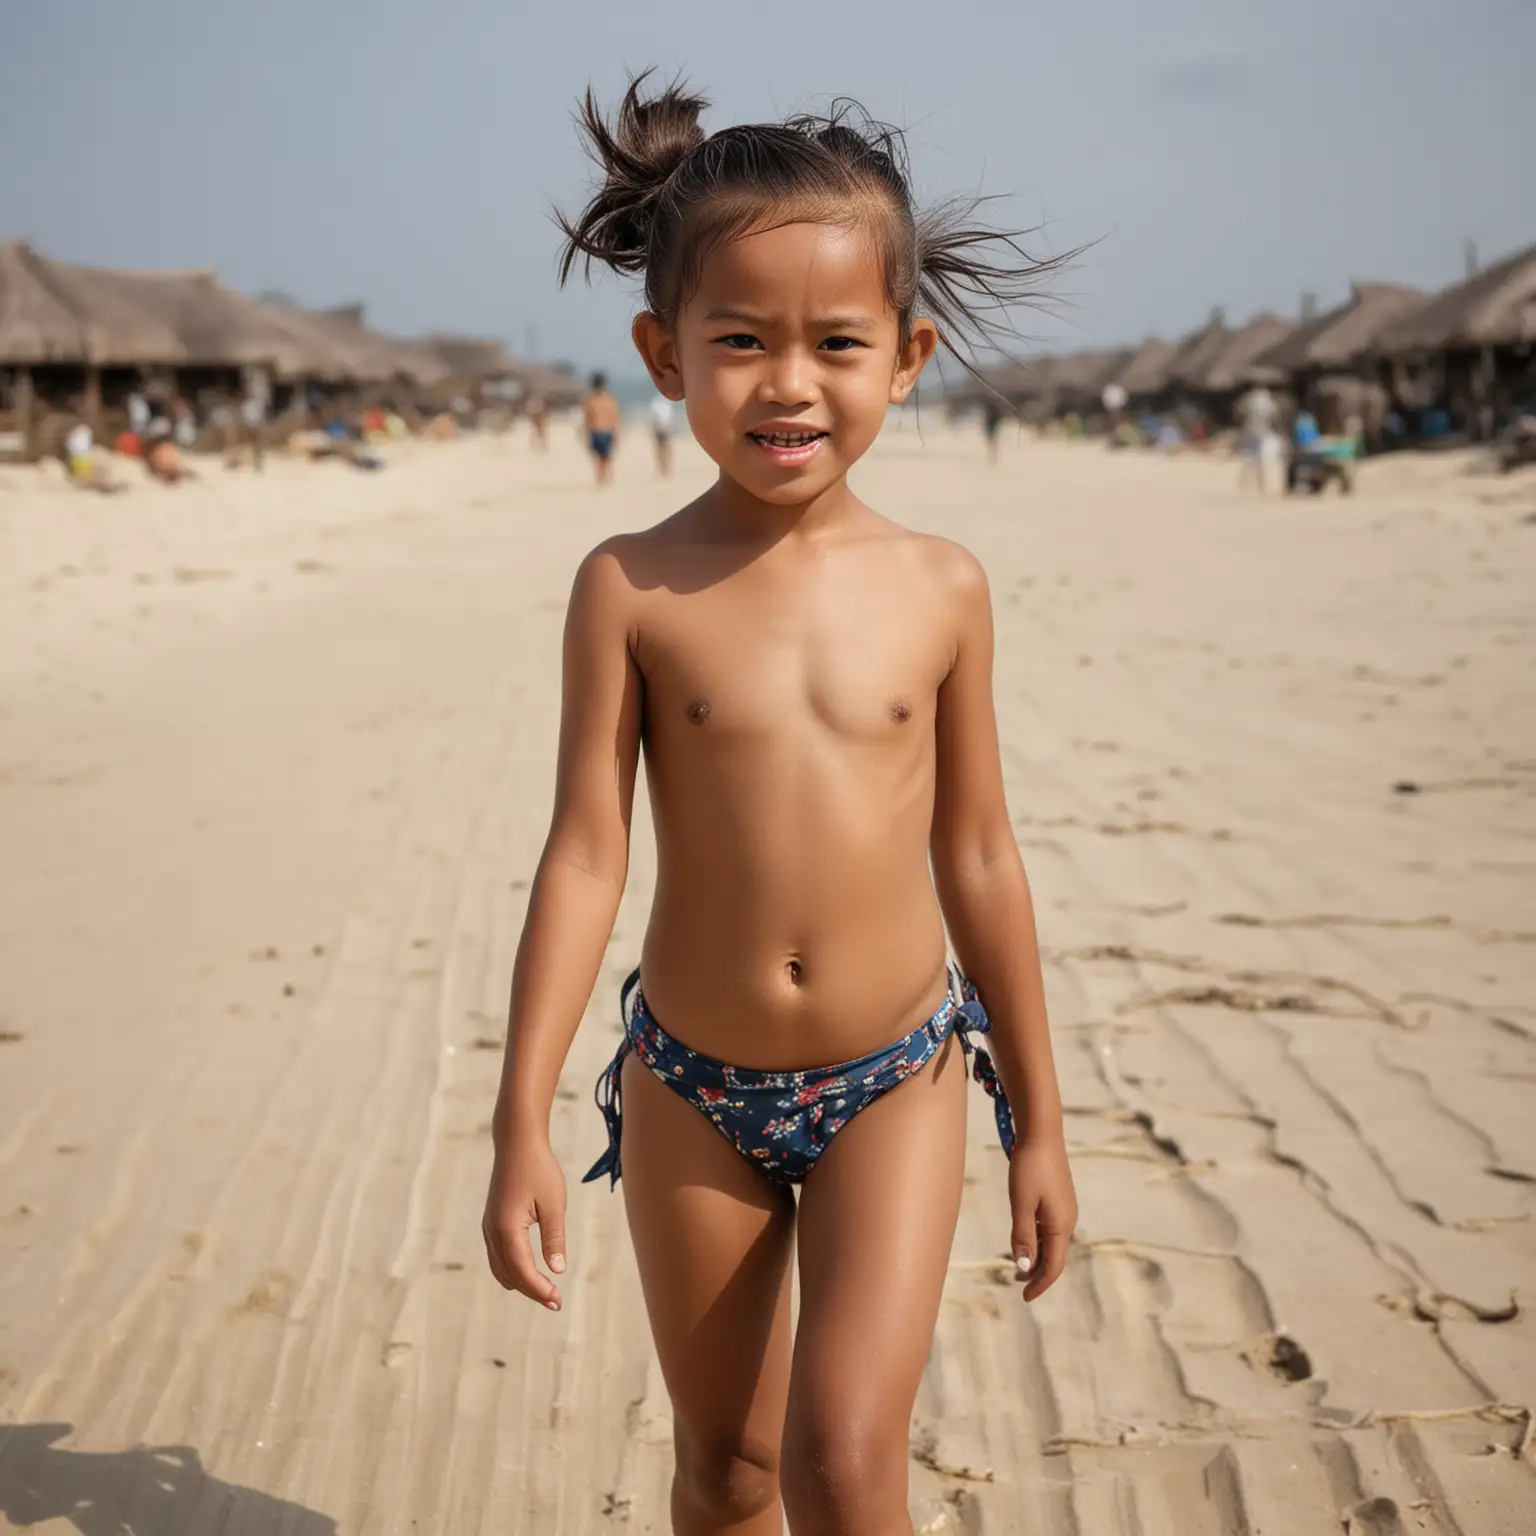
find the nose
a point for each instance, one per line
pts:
(788, 378)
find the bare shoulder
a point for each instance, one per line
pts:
(617, 574)
(946, 567)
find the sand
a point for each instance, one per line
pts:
(275, 764)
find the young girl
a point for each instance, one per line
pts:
(812, 687)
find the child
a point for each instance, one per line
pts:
(812, 687)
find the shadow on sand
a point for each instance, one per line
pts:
(155, 1490)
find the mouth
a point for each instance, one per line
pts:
(789, 448)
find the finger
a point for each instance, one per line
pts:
(552, 1235)
(494, 1257)
(1026, 1243)
(525, 1277)
(1052, 1260)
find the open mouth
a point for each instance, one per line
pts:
(789, 447)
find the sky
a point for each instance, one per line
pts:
(407, 154)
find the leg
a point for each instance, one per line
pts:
(713, 1239)
(876, 1221)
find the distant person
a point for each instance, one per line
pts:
(811, 685)
(1170, 437)
(663, 424)
(86, 472)
(1304, 431)
(537, 409)
(1257, 413)
(138, 413)
(600, 416)
(991, 420)
(183, 423)
(253, 417)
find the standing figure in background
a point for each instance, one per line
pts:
(991, 420)
(537, 408)
(1257, 413)
(600, 415)
(663, 423)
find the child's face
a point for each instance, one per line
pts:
(787, 356)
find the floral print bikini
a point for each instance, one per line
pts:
(781, 1122)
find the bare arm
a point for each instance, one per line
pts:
(571, 909)
(582, 871)
(986, 900)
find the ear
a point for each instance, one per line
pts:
(913, 358)
(658, 350)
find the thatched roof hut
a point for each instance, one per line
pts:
(1333, 339)
(1494, 308)
(557, 387)
(469, 357)
(112, 327)
(373, 356)
(35, 325)
(1080, 378)
(1146, 369)
(1195, 352)
(1235, 363)
(219, 328)
(1018, 381)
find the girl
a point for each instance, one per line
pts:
(812, 687)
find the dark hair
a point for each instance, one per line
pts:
(669, 195)
(599, 380)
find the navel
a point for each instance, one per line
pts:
(698, 711)
(795, 971)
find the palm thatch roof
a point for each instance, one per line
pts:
(1083, 375)
(1146, 369)
(105, 325)
(469, 357)
(1197, 351)
(60, 312)
(557, 387)
(1015, 379)
(373, 356)
(35, 326)
(1220, 359)
(1333, 339)
(1496, 307)
(220, 328)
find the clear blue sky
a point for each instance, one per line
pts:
(406, 154)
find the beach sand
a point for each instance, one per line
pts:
(275, 766)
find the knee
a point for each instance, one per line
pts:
(844, 1473)
(725, 1481)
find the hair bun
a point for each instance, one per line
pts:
(638, 152)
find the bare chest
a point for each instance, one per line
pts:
(763, 664)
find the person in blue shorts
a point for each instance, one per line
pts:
(600, 415)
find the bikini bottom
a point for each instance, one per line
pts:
(781, 1122)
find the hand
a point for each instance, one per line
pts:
(1044, 1210)
(527, 1187)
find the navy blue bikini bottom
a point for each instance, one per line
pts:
(781, 1122)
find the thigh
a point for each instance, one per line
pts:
(714, 1241)
(876, 1222)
